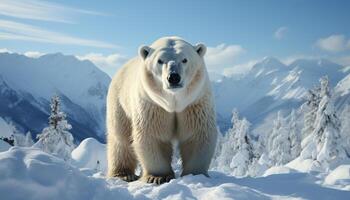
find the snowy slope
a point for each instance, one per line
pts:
(343, 87)
(27, 84)
(27, 173)
(90, 154)
(5, 128)
(342, 92)
(270, 86)
(4, 146)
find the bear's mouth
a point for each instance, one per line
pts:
(174, 86)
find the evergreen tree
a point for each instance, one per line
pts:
(56, 138)
(327, 128)
(345, 129)
(244, 155)
(324, 144)
(236, 151)
(218, 149)
(309, 109)
(279, 142)
(227, 146)
(28, 140)
(294, 136)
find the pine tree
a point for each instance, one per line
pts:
(345, 129)
(218, 149)
(227, 148)
(244, 155)
(310, 108)
(28, 140)
(324, 144)
(56, 138)
(236, 150)
(327, 128)
(279, 142)
(295, 139)
(260, 161)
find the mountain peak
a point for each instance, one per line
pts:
(268, 64)
(57, 56)
(269, 59)
(321, 62)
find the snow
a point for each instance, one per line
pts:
(279, 170)
(302, 165)
(5, 129)
(339, 176)
(4, 146)
(29, 173)
(88, 153)
(343, 87)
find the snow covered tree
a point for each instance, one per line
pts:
(236, 151)
(56, 138)
(324, 145)
(219, 142)
(345, 128)
(294, 136)
(225, 146)
(279, 142)
(22, 140)
(327, 128)
(28, 142)
(309, 109)
(244, 155)
(258, 165)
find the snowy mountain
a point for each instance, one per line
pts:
(27, 84)
(342, 92)
(270, 86)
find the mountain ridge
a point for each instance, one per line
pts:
(81, 85)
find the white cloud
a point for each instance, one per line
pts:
(107, 63)
(239, 69)
(281, 32)
(222, 56)
(10, 30)
(342, 60)
(41, 10)
(33, 54)
(290, 59)
(5, 50)
(333, 43)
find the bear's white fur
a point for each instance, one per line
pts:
(145, 113)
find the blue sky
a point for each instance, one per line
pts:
(238, 33)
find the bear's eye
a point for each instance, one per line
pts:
(184, 60)
(160, 62)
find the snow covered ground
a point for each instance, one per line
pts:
(29, 173)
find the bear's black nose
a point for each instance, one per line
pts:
(174, 78)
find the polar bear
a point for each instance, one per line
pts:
(162, 95)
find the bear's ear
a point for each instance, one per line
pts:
(200, 49)
(144, 51)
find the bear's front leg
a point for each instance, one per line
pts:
(197, 152)
(154, 157)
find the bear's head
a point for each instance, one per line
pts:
(174, 72)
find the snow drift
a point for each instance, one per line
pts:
(29, 173)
